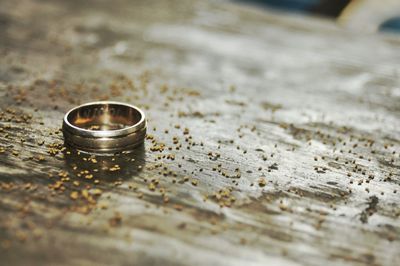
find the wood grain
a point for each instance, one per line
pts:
(273, 139)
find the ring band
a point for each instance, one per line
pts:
(104, 126)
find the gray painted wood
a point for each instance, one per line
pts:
(289, 125)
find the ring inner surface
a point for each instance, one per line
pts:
(101, 117)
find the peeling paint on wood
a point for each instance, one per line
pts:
(272, 139)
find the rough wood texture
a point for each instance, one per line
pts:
(286, 148)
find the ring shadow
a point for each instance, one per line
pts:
(104, 167)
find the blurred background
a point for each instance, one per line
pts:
(362, 15)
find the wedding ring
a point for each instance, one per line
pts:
(104, 126)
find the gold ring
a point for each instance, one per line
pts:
(104, 126)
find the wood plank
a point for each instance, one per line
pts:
(273, 139)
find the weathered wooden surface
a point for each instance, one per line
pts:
(286, 148)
